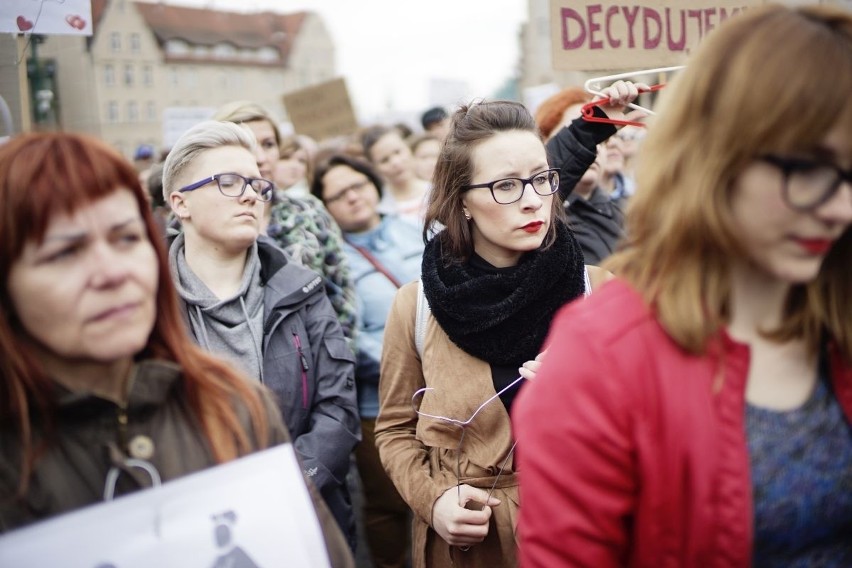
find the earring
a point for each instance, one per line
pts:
(467, 216)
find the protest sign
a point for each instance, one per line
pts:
(46, 17)
(322, 111)
(614, 34)
(254, 512)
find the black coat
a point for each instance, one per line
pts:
(598, 224)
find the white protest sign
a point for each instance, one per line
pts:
(47, 17)
(614, 34)
(254, 512)
(177, 120)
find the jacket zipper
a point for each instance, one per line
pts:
(121, 416)
(304, 361)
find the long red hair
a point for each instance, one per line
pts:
(51, 173)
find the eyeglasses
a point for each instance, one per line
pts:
(357, 187)
(509, 190)
(234, 185)
(808, 183)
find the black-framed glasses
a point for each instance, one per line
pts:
(808, 183)
(509, 190)
(357, 187)
(234, 185)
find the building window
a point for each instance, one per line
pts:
(225, 50)
(177, 47)
(115, 42)
(132, 111)
(174, 77)
(109, 75)
(147, 75)
(128, 75)
(151, 111)
(268, 54)
(191, 78)
(135, 43)
(112, 112)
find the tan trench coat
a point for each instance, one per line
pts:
(420, 454)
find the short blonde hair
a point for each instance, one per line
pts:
(203, 136)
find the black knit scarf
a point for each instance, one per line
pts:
(502, 315)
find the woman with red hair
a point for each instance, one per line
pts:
(96, 369)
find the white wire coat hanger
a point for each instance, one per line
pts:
(594, 87)
(463, 424)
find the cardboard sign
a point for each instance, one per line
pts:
(254, 512)
(322, 111)
(47, 17)
(609, 34)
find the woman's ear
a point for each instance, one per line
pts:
(179, 205)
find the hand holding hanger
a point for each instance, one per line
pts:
(530, 369)
(629, 119)
(460, 515)
(615, 100)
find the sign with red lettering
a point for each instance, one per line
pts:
(612, 34)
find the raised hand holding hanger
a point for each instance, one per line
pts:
(620, 95)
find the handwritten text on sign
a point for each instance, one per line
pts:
(612, 34)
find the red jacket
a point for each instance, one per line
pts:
(631, 451)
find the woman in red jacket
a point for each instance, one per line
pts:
(696, 410)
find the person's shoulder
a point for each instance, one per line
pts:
(614, 312)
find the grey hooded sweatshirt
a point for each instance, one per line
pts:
(307, 364)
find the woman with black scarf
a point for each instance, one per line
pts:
(494, 275)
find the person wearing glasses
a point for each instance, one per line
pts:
(698, 409)
(298, 224)
(97, 374)
(499, 261)
(244, 300)
(384, 253)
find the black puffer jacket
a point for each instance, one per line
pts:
(574, 148)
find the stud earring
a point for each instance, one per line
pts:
(467, 216)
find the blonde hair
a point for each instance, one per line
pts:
(751, 88)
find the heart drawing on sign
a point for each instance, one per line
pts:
(24, 24)
(75, 21)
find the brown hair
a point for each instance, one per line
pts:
(351, 162)
(471, 124)
(246, 111)
(720, 114)
(288, 146)
(549, 113)
(45, 174)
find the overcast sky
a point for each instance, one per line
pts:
(388, 50)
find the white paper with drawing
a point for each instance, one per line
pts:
(251, 513)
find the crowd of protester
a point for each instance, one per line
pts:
(526, 338)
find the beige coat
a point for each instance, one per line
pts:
(420, 454)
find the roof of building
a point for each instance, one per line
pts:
(198, 26)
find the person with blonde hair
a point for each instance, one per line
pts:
(696, 410)
(243, 299)
(299, 225)
(97, 374)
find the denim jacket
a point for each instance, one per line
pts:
(398, 245)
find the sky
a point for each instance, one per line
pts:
(389, 50)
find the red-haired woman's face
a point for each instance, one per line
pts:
(87, 293)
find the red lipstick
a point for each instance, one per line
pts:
(816, 246)
(533, 227)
